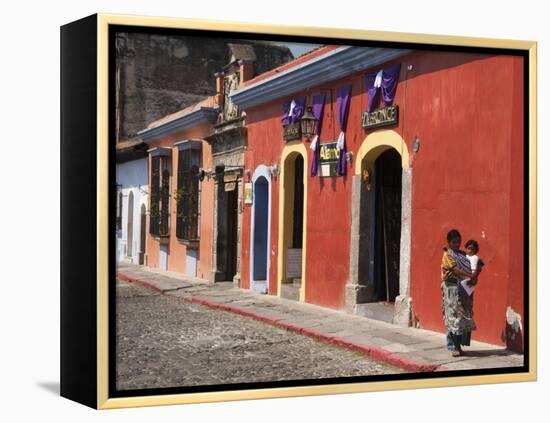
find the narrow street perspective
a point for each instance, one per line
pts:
(163, 341)
(178, 331)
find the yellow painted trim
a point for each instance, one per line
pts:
(294, 147)
(345, 33)
(344, 388)
(376, 143)
(103, 402)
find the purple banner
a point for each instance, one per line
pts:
(318, 104)
(285, 120)
(388, 85)
(372, 91)
(297, 112)
(293, 110)
(390, 78)
(343, 101)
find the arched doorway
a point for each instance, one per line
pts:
(292, 223)
(142, 233)
(227, 211)
(380, 232)
(259, 270)
(387, 226)
(130, 227)
(260, 230)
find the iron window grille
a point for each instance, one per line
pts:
(160, 196)
(187, 195)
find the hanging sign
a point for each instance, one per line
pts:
(380, 117)
(248, 193)
(230, 177)
(328, 158)
(292, 131)
(230, 181)
(230, 186)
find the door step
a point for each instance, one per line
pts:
(378, 311)
(260, 287)
(291, 290)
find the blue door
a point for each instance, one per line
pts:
(261, 211)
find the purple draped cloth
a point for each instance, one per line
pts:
(318, 104)
(390, 78)
(293, 115)
(285, 120)
(343, 100)
(298, 111)
(372, 91)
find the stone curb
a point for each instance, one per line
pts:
(375, 353)
(137, 281)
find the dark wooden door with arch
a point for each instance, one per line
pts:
(387, 224)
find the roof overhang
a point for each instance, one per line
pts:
(160, 152)
(335, 64)
(193, 118)
(130, 150)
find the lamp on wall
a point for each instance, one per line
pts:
(309, 123)
(416, 144)
(201, 174)
(274, 170)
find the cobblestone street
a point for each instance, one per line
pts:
(164, 341)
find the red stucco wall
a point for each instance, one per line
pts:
(466, 110)
(461, 179)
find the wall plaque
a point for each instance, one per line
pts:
(230, 186)
(380, 117)
(292, 132)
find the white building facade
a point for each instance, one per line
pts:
(132, 211)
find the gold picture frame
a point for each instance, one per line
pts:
(102, 217)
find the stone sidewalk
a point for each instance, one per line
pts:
(411, 349)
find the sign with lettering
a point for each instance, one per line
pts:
(380, 117)
(229, 177)
(248, 193)
(292, 131)
(328, 158)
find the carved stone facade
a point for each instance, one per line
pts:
(230, 110)
(159, 74)
(228, 142)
